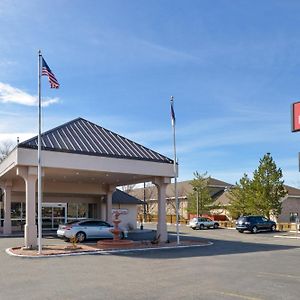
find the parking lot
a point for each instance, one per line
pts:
(236, 266)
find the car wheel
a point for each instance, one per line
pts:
(273, 228)
(201, 226)
(254, 229)
(216, 226)
(193, 228)
(80, 236)
(240, 231)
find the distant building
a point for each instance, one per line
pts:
(219, 193)
(290, 205)
(215, 186)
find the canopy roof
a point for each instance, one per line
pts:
(83, 137)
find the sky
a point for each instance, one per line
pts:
(233, 68)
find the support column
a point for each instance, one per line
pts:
(7, 207)
(29, 175)
(161, 184)
(103, 208)
(110, 191)
(99, 209)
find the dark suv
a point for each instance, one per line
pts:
(254, 224)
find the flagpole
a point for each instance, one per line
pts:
(39, 158)
(175, 171)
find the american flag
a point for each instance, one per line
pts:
(46, 71)
(172, 112)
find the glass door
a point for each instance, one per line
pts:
(59, 216)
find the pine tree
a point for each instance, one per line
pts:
(260, 196)
(240, 198)
(268, 187)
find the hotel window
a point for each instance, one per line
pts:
(83, 210)
(17, 213)
(293, 217)
(78, 211)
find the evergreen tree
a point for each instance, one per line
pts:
(200, 194)
(240, 198)
(260, 196)
(268, 187)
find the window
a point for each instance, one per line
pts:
(101, 223)
(90, 223)
(82, 210)
(72, 210)
(17, 213)
(293, 217)
(78, 211)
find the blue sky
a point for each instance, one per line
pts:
(232, 66)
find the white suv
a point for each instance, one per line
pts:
(201, 223)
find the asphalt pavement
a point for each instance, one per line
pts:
(236, 266)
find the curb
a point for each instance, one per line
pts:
(105, 252)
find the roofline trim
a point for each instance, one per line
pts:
(95, 154)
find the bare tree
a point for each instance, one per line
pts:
(171, 200)
(5, 148)
(128, 188)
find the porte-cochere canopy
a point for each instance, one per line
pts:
(81, 159)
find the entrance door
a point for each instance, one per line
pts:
(53, 214)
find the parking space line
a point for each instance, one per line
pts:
(235, 295)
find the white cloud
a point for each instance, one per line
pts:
(11, 94)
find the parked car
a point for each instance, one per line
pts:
(201, 223)
(254, 224)
(86, 229)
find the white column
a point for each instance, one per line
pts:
(110, 191)
(29, 174)
(7, 207)
(161, 184)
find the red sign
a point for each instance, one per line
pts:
(296, 116)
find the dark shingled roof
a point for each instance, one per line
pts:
(83, 137)
(120, 197)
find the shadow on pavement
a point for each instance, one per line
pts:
(219, 247)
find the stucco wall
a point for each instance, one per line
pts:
(288, 206)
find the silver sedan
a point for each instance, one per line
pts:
(86, 229)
